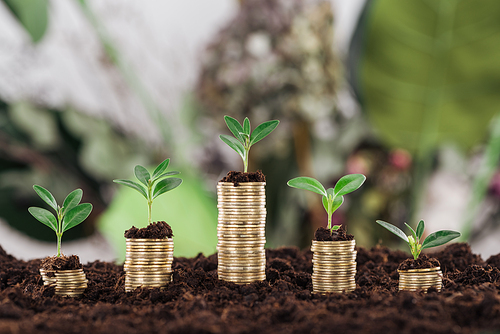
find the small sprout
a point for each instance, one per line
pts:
(69, 215)
(433, 240)
(152, 185)
(332, 197)
(244, 137)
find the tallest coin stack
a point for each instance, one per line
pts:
(241, 232)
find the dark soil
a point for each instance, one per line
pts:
(157, 230)
(240, 177)
(422, 262)
(324, 234)
(61, 263)
(197, 302)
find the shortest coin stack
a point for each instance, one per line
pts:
(69, 283)
(420, 279)
(334, 266)
(148, 263)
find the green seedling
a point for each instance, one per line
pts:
(70, 214)
(433, 240)
(152, 186)
(332, 197)
(244, 138)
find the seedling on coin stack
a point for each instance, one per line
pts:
(149, 253)
(65, 273)
(334, 257)
(420, 273)
(241, 200)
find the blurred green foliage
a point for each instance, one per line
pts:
(428, 72)
(32, 14)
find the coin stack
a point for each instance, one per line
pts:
(334, 266)
(148, 263)
(420, 279)
(241, 232)
(70, 283)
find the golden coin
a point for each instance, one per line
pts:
(242, 198)
(151, 247)
(253, 228)
(420, 270)
(165, 240)
(420, 279)
(242, 276)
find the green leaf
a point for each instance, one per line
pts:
(420, 229)
(393, 229)
(46, 196)
(32, 14)
(246, 126)
(168, 174)
(76, 215)
(263, 130)
(235, 128)
(160, 169)
(234, 144)
(72, 200)
(412, 232)
(337, 202)
(420, 75)
(44, 216)
(142, 174)
(335, 227)
(307, 183)
(348, 184)
(166, 185)
(133, 185)
(439, 238)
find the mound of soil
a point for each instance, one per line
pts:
(422, 262)
(324, 234)
(157, 230)
(197, 302)
(240, 177)
(61, 263)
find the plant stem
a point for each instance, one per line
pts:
(150, 199)
(59, 237)
(150, 204)
(247, 150)
(330, 213)
(59, 232)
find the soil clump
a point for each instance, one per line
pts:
(423, 262)
(156, 230)
(324, 234)
(197, 302)
(61, 263)
(240, 177)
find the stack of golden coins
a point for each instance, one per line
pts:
(70, 283)
(148, 263)
(241, 232)
(334, 266)
(420, 279)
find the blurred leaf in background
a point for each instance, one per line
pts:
(32, 14)
(428, 72)
(190, 211)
